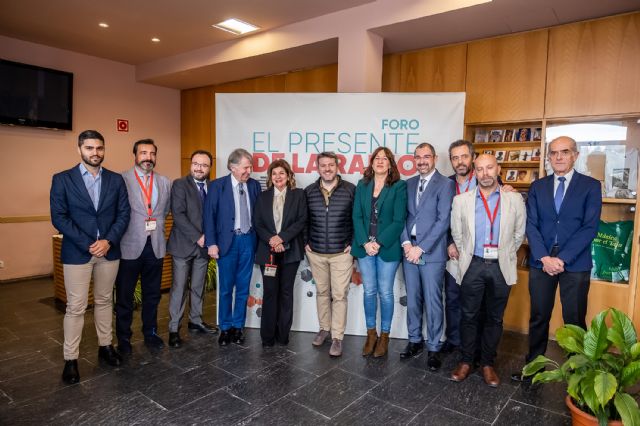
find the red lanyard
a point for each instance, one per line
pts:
(468, 184)
(495, 213)
(147, 193)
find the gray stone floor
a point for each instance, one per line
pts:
(202, 383)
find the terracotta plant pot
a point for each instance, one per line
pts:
(580, 418)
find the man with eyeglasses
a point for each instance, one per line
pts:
(231, 240)
(424, 241)
(186, 246)
(563, 214)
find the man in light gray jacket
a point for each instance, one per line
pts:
(143, 246)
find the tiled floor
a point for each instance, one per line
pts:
(202, 383)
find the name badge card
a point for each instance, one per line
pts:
(490, 251)
(150, 224)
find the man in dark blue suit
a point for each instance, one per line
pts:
(231, 240)
(89, 206)
(563, 214)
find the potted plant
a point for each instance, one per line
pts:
(603, 363)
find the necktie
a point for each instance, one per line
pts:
(559, 193)
(245, 220)
(421, 188)
(203, 194)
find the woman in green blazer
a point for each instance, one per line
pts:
(379, 213)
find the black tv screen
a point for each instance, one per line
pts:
(35, 96)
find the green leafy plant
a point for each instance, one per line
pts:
(211, 281)
(603, 363)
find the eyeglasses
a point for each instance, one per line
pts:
(204, 166)
(557, 154)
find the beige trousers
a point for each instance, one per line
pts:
(332, 275)
(77, 279)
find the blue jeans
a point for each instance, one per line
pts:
(378, 277)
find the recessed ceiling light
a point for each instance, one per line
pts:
(103, 25)
(236, 26)
(155, 40)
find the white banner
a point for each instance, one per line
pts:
(298, 126)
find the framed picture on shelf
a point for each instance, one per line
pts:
(511, 176)
(508, 135)
(513, 156)
(501, 156)
(496, 135)
(535, 175)
(481, 136)
(524, 176)
(488, 152)
(535, 154)
(537, 134)
(523, 134)
(525, 155)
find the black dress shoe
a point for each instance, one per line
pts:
(412, 350)
(124, 347)
(237, 337)
(174, 340)
(109, 355)
(202, 328)
(154, 341)
(225, 338)
(433, 362)
(70, 374)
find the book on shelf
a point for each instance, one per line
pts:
(513, 156)
(481, 136)
(535, 154)
(523, 134)
(501, 156)
(537, 134)
(496, 135)
(488, 152)
(535, 175)
(508, 135)
(525, 155)
(524, 176)
(511, 176)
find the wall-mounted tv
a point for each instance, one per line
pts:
(35, 96)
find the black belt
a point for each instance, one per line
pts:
(483, 260)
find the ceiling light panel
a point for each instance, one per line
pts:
(236, 26)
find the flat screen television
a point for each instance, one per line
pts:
(35, 96)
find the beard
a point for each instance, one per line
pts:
(146, 165)
(93, 161)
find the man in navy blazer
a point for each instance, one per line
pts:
(424, 240)
(563, 214)
(231, 240)
(89, 206)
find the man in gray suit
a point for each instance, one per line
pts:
(143, 246)
(186, 246)
(424, 240)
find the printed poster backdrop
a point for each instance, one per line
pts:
(297, 126)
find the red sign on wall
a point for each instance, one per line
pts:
(123, 125)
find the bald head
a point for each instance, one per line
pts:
(563, 153)
(487, 171)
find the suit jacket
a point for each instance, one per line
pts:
(73, 214)
(294, 221)
(220, 213)
(431, 217)
(186, 209)
(576, 225)
(513, 219)
(134, 240)
(392, 207)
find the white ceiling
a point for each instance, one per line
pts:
(185, 26)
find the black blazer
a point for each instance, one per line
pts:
(186, 209)
(293, 224)
(73, 214)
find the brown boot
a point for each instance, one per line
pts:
(370, 344)
(382, 345)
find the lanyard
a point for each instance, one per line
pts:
(468, 184)
(495, 213)
(148, 194)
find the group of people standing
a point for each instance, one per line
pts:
(456, 238)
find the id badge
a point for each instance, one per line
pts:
(490, 252)
(270, 270)
(150, 224)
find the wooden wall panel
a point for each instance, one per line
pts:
(269, 84)
(321, 79)
(441, 69)
(594, 68)
(196, 119)
(506, 78)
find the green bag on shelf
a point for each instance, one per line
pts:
(611, 251)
